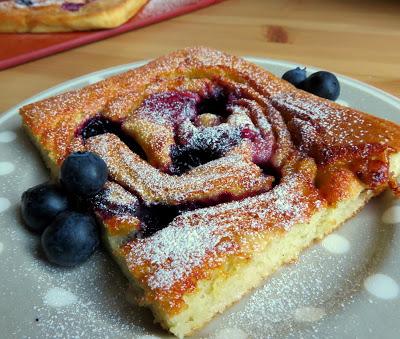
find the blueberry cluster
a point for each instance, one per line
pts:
(69, 233)
(323, 84)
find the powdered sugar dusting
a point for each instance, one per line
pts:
(185, 250)
(230, 332)
(295, 298)
(84, 302)
(160, 7)
(340, 126)
(59, 297)
(212, 233)
(209, 235)
(204, 182)
(113, 199)
(308, 314)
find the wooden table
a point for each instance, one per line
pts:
(360, 39)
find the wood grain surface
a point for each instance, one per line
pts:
(360, 39)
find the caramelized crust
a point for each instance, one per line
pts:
(286, 155)
(321, 128)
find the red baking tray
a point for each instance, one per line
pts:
(21, 48)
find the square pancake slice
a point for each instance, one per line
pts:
(219, 173)
(41, 16)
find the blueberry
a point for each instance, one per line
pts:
(323, 84)
(155, 217)
(83, 174)
(41, 204)
(96, 126)
(25, 2)
(295, 76)
(206, 145)
(70, 239)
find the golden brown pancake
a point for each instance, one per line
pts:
(219, 173)
(40, 16)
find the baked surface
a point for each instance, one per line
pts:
(288, 169)
(63, 16)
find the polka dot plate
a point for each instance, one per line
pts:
(346, 286)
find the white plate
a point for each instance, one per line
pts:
(347, 286)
